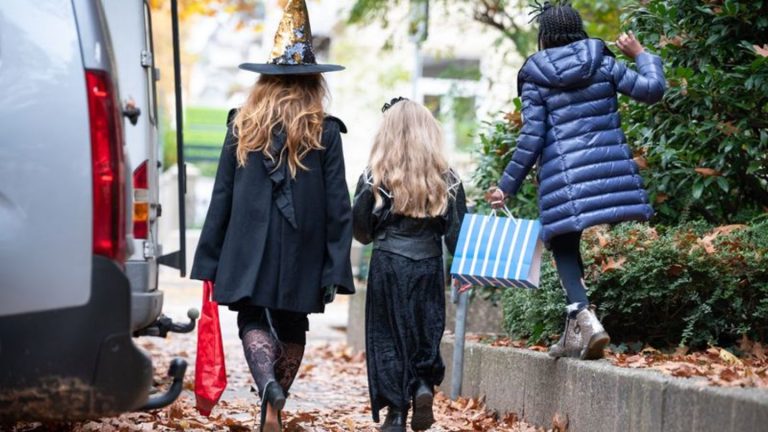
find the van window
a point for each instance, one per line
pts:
(150, 68)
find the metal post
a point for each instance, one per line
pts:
(457, 372)
(182, 257)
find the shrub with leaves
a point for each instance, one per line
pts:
(689, 285)
(497, 143)
(705, 146)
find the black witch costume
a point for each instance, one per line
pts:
(405, 304)
(276, 246)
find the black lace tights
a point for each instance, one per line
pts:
(270, 359)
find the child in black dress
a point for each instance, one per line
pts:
(407, 201)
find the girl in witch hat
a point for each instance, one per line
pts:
(277, 236)
(408, 201)
(571, 127)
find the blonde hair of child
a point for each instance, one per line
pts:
(407, 160)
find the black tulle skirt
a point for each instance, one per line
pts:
(404, 323)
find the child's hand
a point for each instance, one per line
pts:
(495, 197)
(629, 45)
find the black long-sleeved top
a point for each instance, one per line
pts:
(415, 238)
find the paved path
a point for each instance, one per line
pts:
(329, 395)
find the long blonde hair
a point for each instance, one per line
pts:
(293, 103)
(407, 160)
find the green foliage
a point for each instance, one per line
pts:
(601, 18)
(497, 143)
(706, 144)
(687, 285)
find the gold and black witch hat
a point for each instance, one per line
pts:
(292, 53)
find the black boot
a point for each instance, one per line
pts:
(395, 421)
(422, 418)
(275, 397)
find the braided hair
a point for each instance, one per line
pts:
(559, 24)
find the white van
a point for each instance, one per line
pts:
(78, 210)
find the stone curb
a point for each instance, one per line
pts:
(596, 396)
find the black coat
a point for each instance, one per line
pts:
(274, 242)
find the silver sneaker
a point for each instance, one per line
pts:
(584, 337)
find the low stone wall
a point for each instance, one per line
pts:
(598, 397)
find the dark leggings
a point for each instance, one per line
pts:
(273, 345)
(566, 249)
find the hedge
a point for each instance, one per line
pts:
(689, 285)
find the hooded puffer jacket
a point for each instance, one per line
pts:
(571, 126)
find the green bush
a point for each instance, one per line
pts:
(688, 285)
(497, 142)
(706, 143)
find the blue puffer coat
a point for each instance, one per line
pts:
(571, 127)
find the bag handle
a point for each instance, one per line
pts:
(207, 291)
(507, 213)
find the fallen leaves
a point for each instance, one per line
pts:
(560, 423)
(612, 264)
(707, 242)
(718, 366)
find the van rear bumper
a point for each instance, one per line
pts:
(74, 363)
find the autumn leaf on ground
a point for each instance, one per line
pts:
(727, 229)
(706, 243)
(560, 423)
(613, 264)
(729, 358)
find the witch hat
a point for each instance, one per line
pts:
(292, 53)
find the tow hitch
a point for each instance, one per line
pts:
(164, 324)
(176, 371)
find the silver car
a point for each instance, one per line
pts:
(78, 273)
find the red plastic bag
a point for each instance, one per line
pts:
(210, 371)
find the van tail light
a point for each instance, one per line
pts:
(141, 201)
(109, 212)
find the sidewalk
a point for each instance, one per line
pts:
(330, 394)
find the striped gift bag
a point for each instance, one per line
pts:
(498, 251)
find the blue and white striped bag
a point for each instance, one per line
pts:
(498, 251)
